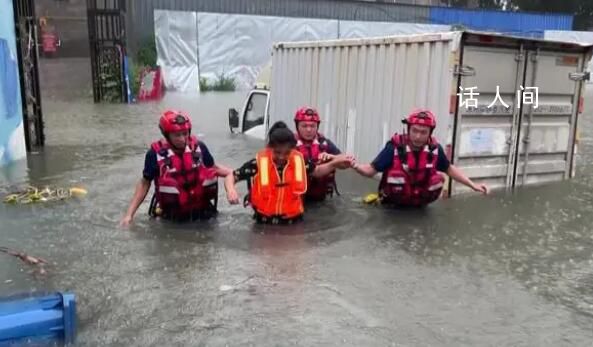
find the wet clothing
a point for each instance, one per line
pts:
(249, 169)
(331, 148)
(413, 179)
(278, 193)
(275, 201)
(151, 167)
(318, 188)
(185, 187)
(410, 177)
(260, 219)
(384, 160)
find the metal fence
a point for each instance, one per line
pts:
(107, 38)
(28, 58)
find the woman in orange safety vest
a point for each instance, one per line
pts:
(277, 178)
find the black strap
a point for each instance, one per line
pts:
(152, 206)
(247, 198)
(310, 158)
(249, 183)
(335, 184)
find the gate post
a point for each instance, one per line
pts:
(28, 58)
(107, 39)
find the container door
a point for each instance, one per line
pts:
(487, 115)
(548, 129)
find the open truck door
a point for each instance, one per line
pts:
(254, 117)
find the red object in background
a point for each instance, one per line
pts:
(50, 43)
(151, 84)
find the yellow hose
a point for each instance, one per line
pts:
(33, 194)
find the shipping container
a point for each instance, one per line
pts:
(364, 87)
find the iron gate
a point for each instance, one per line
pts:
(107, 37)
(28, 58)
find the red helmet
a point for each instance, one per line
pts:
(173, 121)
(421, 117)
(307, 114)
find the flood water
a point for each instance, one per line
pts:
(504, 270)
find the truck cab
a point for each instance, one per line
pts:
(253, 120)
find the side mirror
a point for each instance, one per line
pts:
(233, 119)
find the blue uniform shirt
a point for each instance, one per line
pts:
(332, 148)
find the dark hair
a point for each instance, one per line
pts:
(280, 135)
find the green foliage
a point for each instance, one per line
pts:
(109, 78)
(222, 83)
(146, 55)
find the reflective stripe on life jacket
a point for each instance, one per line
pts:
(184, 185)
(318, 188)
(413, 179)
(275, 196)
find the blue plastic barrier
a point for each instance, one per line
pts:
(50, 316)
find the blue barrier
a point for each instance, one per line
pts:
(49, 316)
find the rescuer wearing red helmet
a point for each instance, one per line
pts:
(317, 149)
(184, 173)
(411, 165)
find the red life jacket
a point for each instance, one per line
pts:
(317, 188)
(184, 184)
(413, 179)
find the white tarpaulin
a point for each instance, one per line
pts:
(177, 49)
(239, 46)
(582, 37)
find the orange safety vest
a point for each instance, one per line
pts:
(275, 196)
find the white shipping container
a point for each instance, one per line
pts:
(364, 87)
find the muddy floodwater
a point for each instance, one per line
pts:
(505, 270)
